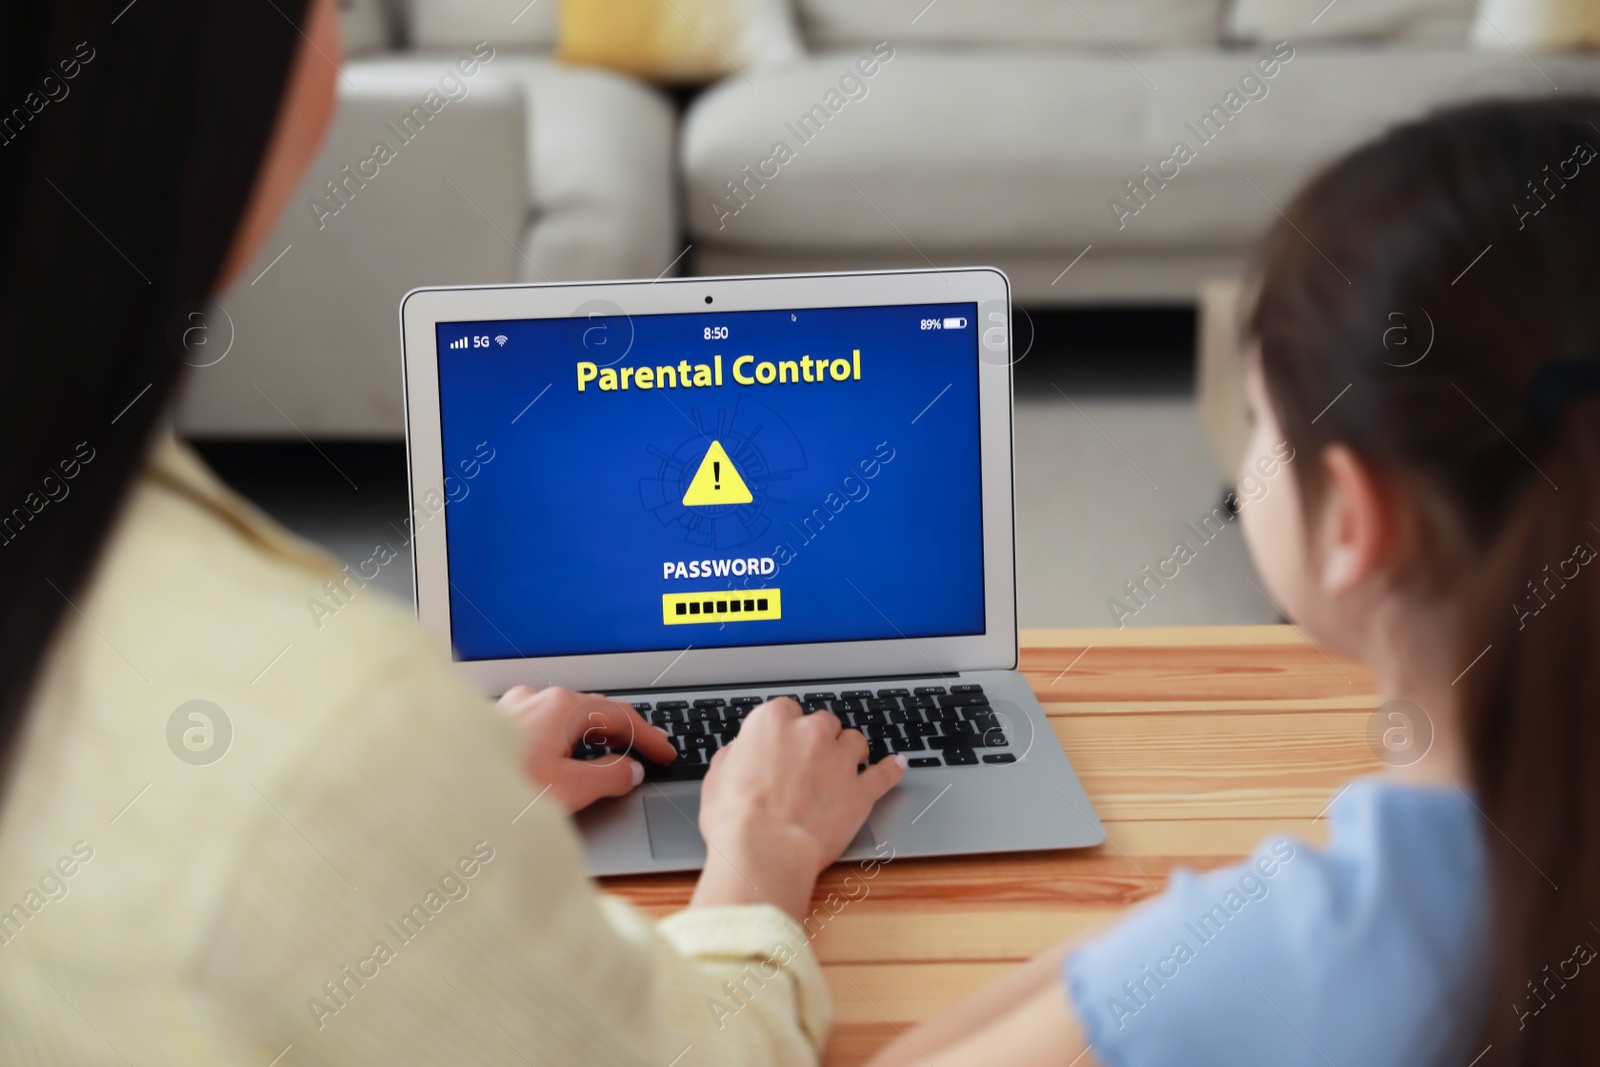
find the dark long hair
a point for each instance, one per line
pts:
(130, 136)
(1477, 232)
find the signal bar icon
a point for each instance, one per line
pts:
(459, 344)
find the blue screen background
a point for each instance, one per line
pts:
(867, 493)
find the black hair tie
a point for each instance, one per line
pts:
(1555, 385)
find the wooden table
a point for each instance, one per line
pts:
(1194, 743)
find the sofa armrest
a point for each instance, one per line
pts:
(413, 186)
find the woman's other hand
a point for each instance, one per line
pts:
(781, 802)
(554, 720)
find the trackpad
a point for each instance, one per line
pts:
(674, 823)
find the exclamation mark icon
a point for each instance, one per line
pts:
(716, 474)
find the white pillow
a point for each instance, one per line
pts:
(507, 23)
(1542, 24)
(1411, 21)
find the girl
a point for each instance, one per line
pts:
(1426, 337)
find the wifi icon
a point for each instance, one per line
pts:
(501, 339)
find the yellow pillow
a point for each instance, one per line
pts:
(678, 41)
(1548, 25)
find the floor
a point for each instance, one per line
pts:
(1111, 466)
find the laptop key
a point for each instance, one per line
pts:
(925, 761)
(907, 744)
(962, 700)
(745, 702)
(922, 729)
(983, 719)
(671, 705)
(642, 705)
(913, 715)
(995, 738)
(877, 750)
(878, 730)
(919, 702)
(686, 768)
(820, 696)
(710, 702)
(1000, 757)
(966, 689)
(891, 693)
(856, 694)
(808, 706)
(785, 696)
(960, 757)
(928, 690)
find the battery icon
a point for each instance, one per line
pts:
(955, 324)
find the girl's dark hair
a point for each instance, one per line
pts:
(1443, 284)
(130, 136)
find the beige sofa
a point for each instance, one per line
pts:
(1036, 135)
(1008, 132)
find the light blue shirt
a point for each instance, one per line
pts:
(1362, 954)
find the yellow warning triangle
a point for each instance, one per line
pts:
(716, 482)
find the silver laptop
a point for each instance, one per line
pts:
(697, 494)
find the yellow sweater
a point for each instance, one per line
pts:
(358, 879)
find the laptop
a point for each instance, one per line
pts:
(697, 494)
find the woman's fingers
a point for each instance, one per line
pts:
(855, 743)
(594, 720)
(579, 783)
(783, 708)
(881, 777)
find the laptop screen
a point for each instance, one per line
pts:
(658, 482)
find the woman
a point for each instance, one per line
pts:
(229, 836)
(1427, 344)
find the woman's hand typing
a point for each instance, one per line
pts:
(555, 720)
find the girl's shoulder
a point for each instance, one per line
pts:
(1362, 951)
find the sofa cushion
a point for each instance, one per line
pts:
(1440, 21)
(600, 155)
(1026, 23)
(948, 152)
(527, 24)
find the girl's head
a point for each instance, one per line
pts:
(1426, 339)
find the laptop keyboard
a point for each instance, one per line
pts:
(931, 726)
